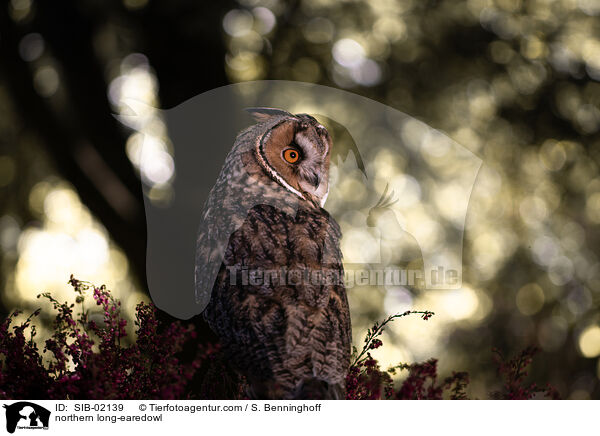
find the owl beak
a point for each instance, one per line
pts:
(314, 180)
(310, 184)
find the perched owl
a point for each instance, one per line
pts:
(268, 262)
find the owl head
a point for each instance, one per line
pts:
(294, 151)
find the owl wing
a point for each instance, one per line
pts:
(279, 304)
(225, 211)
(215, 231)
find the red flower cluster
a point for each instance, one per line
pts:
(96, 360)
(422, 384)
(514, 373)
(148, 368)
(366, 381)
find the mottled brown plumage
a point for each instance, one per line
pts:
(264, 241)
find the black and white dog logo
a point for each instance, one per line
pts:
(26, 415)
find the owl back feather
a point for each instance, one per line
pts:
(290, 340)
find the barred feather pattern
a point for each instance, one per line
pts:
(291, 339)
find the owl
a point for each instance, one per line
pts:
(268, 262)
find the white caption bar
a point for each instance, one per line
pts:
(298, 417)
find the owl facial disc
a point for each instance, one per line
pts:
(295, 153)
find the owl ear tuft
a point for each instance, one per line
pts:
(262, 114)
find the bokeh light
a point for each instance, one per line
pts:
(525, 99)
(516, 83)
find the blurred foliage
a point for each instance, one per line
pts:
(516, 82)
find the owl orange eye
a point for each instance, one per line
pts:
(291, 155)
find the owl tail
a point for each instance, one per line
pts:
(314, 388)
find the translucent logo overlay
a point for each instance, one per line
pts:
(398, 189)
